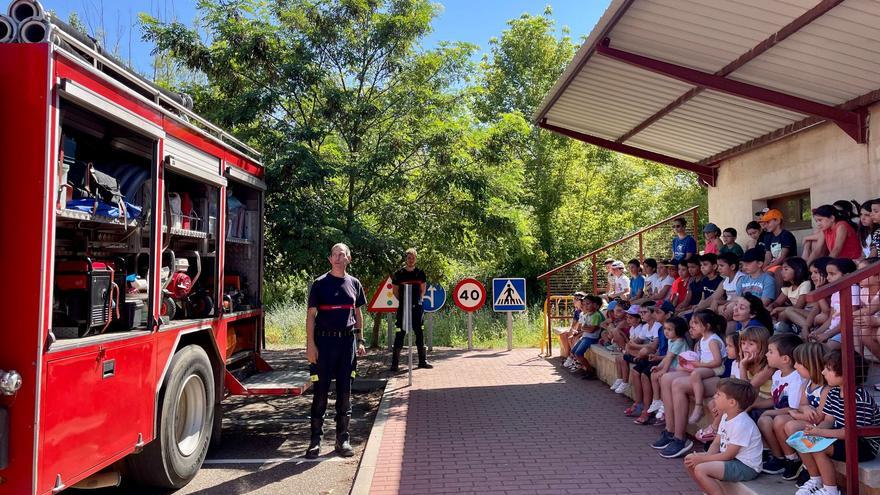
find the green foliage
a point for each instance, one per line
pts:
(285, 325)
(370, 140)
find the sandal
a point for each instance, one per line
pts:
(642, 419)
(633, 410)
(706, 434)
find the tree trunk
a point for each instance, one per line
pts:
(377, 324)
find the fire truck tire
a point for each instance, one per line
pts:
(185, 423)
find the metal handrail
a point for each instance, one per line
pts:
(847, 341)
(627, 237)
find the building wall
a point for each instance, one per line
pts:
(823, 160)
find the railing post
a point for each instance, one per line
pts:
(549, 332)
(697, 226)
(641, 249)
(595, 271)
(849, 390)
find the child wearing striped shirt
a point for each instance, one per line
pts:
(823, 476)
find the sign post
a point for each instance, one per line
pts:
(432, 301)
(469, 295)
(509, 295)
(407, 324)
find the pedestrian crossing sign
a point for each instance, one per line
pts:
(508, 294)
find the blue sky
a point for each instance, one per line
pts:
(474, 21)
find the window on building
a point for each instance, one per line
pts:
(796, 209)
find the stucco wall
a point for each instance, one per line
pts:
(823, 160)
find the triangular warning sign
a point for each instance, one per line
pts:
(383, 300)
(509, 296)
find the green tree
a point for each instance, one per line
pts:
(577, 196)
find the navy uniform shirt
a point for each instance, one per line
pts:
(414, 277)
(336, 299)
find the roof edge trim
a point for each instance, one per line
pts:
(607, 22)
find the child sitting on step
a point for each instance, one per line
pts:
(735, 454)
(809, 362)
(820, 465)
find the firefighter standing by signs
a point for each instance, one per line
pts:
(333, 329)
(415, 277)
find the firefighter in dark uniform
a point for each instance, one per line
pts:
(333, 330)
(414, 276)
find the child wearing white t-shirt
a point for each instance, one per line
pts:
(735, 454)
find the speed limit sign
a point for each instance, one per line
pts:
(469, 295)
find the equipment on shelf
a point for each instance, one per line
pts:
(87, 296)
(182, 297)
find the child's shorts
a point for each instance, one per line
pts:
(643, 366)
(582, 345)
(756, 413)
(736, 470)
(866, 452)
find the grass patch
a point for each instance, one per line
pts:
(286, 325)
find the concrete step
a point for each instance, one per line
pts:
(762, 485)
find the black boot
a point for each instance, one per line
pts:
(423, 359)
(395, 360)
(343, 447)
(317, 431)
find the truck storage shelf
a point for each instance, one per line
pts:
(195, 234)
(64, 213)
(239, 240)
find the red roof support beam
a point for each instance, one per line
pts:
(774, 39)
(852, 122)
(706, 173)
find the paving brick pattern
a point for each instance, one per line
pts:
(512, 423)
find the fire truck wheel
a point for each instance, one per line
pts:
(185, 424)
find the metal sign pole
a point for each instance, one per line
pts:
(390, 322)
(470, 331)
(430, 332)
(509, 331)
(407, 324)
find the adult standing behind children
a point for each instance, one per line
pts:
(683, 245)
(333, 336)
(411, 275)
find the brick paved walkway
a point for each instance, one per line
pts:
(512, 423)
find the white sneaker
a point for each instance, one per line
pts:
(822, 491)
(616, 384)
(810, 487)
(568, 361)
(623, 388)
(655, 406)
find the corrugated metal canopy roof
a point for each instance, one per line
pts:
(691, 82)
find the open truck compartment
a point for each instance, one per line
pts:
(189, 249)
(243, 270)
(103, 227)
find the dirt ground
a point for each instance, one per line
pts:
(264, 439)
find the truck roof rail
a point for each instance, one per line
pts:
(90, 51)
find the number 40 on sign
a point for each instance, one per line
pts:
(469, 295)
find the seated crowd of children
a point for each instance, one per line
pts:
(734, 325)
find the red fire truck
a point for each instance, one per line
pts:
(132, 241)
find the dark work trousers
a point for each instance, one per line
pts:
(336, 361)
(417, 317)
